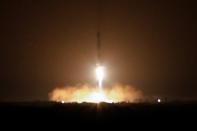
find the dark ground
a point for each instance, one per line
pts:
(152, 114)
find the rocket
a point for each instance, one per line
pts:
(98, 49)
(98, 46)
(99, 68)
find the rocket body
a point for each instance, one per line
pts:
(98, 49)
(99, 67)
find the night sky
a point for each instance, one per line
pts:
(48, 43)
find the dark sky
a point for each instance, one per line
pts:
(48, 43)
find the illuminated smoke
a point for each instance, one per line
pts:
(87, 93)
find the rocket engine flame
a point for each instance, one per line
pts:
(100, 75)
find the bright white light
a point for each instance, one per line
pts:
(97, 97)
(158, 100)
(100, 75)
(62, 102)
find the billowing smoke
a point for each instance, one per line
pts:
(88, 93)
